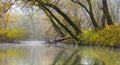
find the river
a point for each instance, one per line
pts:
(39, 53)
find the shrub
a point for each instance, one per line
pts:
(12, 35)
(109, 36)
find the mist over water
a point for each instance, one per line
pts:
(27, 53)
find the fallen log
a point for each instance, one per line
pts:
(58, 40)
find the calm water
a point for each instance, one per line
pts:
(38, 53)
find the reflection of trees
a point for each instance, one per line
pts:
(10, 56)
(88, 55)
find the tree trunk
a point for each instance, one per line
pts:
(89, 11)
(92, 15)
(103, 21)
(106, 12)
(75, 27)
(61, 24)
(56, 27)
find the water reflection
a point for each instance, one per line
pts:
(36, 53)
(89, 56)
(27, 53)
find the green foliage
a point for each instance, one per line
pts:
(12, 35)
(109, 36)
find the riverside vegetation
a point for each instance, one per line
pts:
(91, 26)
(13, 35)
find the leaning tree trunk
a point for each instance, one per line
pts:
(75, 27)
(56, 27)
(61, 24)
(106, 12)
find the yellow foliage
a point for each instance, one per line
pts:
(109, 36)
(36, 3)
(12, 35)
(10, 18)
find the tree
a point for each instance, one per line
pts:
(106, 12)
(62, 25)
(46, 6)
(30, 13)
(66, 18)
(89, 11)
(46, 3)
(55, 25)
(5, 6)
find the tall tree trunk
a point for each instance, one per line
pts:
(106, 12)
(92, 15)
(103, 21)
(89, 11)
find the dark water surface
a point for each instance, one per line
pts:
(38, 53)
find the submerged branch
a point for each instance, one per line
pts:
(58, 40)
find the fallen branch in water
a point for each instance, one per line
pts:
(58, 40)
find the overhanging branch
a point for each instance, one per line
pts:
(78, 2)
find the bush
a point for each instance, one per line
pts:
(12, 35)
(109, 36)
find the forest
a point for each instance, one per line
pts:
(93, 24)
(81, 22)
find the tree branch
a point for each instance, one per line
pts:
(7, 8)
(78, 2)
